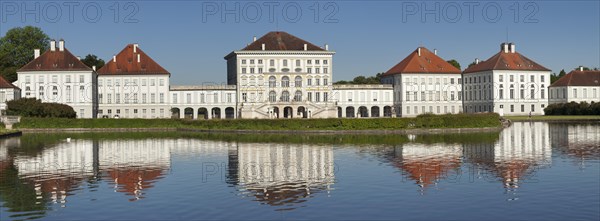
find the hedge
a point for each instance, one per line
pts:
(31, 107)
(573, 108)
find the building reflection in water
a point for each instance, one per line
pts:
(522, 149)
(580, 141)
(134, 166)
(281, 175)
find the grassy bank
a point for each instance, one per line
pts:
(421, 122)
(556, 118)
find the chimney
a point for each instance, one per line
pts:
(512, 47)
(114, 58)
(138, 58)
(94, 67)
(476, 60)
(504, 47)
(580, 68)
(254, 39)
(61, 45)
(52, 45)
(78, 58)
(36, 53)
(419, 51)
(135, 46)
(435, 51)
(326, 47)
(263, 47)
(305, 47)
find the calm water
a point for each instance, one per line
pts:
(528, 171)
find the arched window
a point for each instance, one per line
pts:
(272, 81)
(298, 81)
(298, 96)
(272, 96)
(285, 96)
(285, 81)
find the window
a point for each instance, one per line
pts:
(422, 95)
(308, 61)
(298, 95)
(501, 78)
(189, 98)
(317, 70)
(325, 96)
(324, 61)
(408, 96)
(161, 82)
(575, 93)
(309, 70)
(243, 61)
(229, 98)
(285, 81)
(317, 97)
(522, 93)
(144, 98)
(309, 96)
(317, 61)
(152, 82)
(260, 70)
(260, 61)
(243, 70)
(245, 97)
(531, 78)
(542, 78)
(252, 61)
(325, 81)
(216, 97)
(162, 98)
(512, 93)
(512, 78)
(512, 108)
(451, 95)
(285, 96)
(109, 98)
(532, 94)
(81, 78)
(298, 81)
(325, 71)
(501, 94)
(143, 82)
(117, 82)
(451, 80)
(251, 70)
(174, 98)
(522, 108)
(285, 62)
(152, 98)
(272, 96)
(272, 81)
(309, 82)
(317, 81)
(522, 78)
(297, 62)
(272, 62)
(117, 98)
(532, 108)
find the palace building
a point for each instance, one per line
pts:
(577, 86)
(8, 92)
(508, 83)
(57, 76)
(425, 83)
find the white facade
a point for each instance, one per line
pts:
(8, 94)
(134, 96)
(74, 88)
(364, 100)
(567, 94)
(506, 92)
(420, 93)
(283, 84)
(203, 102)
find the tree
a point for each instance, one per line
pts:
(363, 80)
(93, 60)
(454, 63)
(554, 77)
(471, 64)
(16, 49)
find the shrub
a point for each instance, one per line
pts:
(31, 107)
(573, 108)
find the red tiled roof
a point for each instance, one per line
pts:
(428, 62)
(579, 78)
(55, 61)
(5, 84)
(507, 61)
(281, 41)
(127, 64)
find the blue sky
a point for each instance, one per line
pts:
(190, 39)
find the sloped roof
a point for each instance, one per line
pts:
(427, 62)
(127, 64)
(281, 41)
(507, 61)
(5, 84)
(579, 78)
(55, 61)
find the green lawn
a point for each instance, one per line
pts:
(424, 122)
(555, 118)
